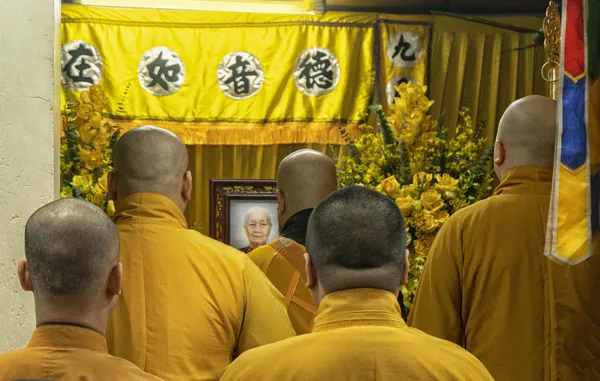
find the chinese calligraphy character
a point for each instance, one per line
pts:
(239, 75)
(82, 51)
(161, 72)
(403, 47)
(81, 65)
(317, 72)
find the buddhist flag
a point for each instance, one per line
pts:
(573, 222)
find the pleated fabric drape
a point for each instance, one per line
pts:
(470, 66)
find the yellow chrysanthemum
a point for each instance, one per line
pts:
(91, 159)
(84, 111)
(100, 141)
(423, 245)
(426, 223)
(446, 183)
(66, 192)
(422, 179)
(83, 182)
(441, 216)
(405, 205)
(87, 133)
(432, 201)
(391, 186)
(111, 208)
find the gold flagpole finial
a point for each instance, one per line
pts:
(552, 31)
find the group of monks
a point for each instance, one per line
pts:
(142, 297)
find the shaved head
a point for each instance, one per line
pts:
(151, 160)
(304, 178)
(356, 239)
(71, 246)
(526, 134)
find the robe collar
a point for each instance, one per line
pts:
(151, 207)
(358, 307)
(68, 336)
(525, 180)
(296, 226)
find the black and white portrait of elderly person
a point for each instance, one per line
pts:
(257, 226)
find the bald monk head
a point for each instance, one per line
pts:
(151, 160)
(356, 239)
(72, 264)
(526, 135)
(304, 178)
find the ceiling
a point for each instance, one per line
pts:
(534, 7)
(482, 7)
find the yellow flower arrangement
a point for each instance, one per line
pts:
(87, 139)
(428, 175)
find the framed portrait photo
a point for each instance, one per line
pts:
(243, 213)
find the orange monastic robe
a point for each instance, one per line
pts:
(190, 304)
(283, 262)
(359, 335)
(488, 286)
(60, 352)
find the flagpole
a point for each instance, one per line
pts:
(550, 70)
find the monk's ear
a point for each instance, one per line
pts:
(115, 280)
(280, 203)
(499, 153)
(24, 276)
(311, 272)
(112, 186)
(186, 187)
(404, 281)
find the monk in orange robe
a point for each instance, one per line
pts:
(356, 261)
(190, 304)
(488, 286)
(72, 267)
(304, 178)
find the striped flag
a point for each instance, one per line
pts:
(574, 218)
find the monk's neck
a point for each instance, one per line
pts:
(90, 318)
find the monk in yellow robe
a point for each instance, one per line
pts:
(72, 267)
(304, 178)
(190, 304)
(355, 264)
(488, 286)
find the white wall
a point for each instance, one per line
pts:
(29, 123)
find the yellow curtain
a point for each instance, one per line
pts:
(472, 66)
(468, 68)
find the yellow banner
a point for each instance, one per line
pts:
(404, 55)
(223, 78)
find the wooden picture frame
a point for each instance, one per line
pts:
(227, 194)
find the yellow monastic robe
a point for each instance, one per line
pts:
(283, 262)
(359, 335)
(190, 304)
(488, 286)
(60, 352)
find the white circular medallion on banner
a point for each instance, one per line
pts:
(161, 71)
(390, 88)
(316, 72)
(81, 65)
(404, 49)
(240, 75)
